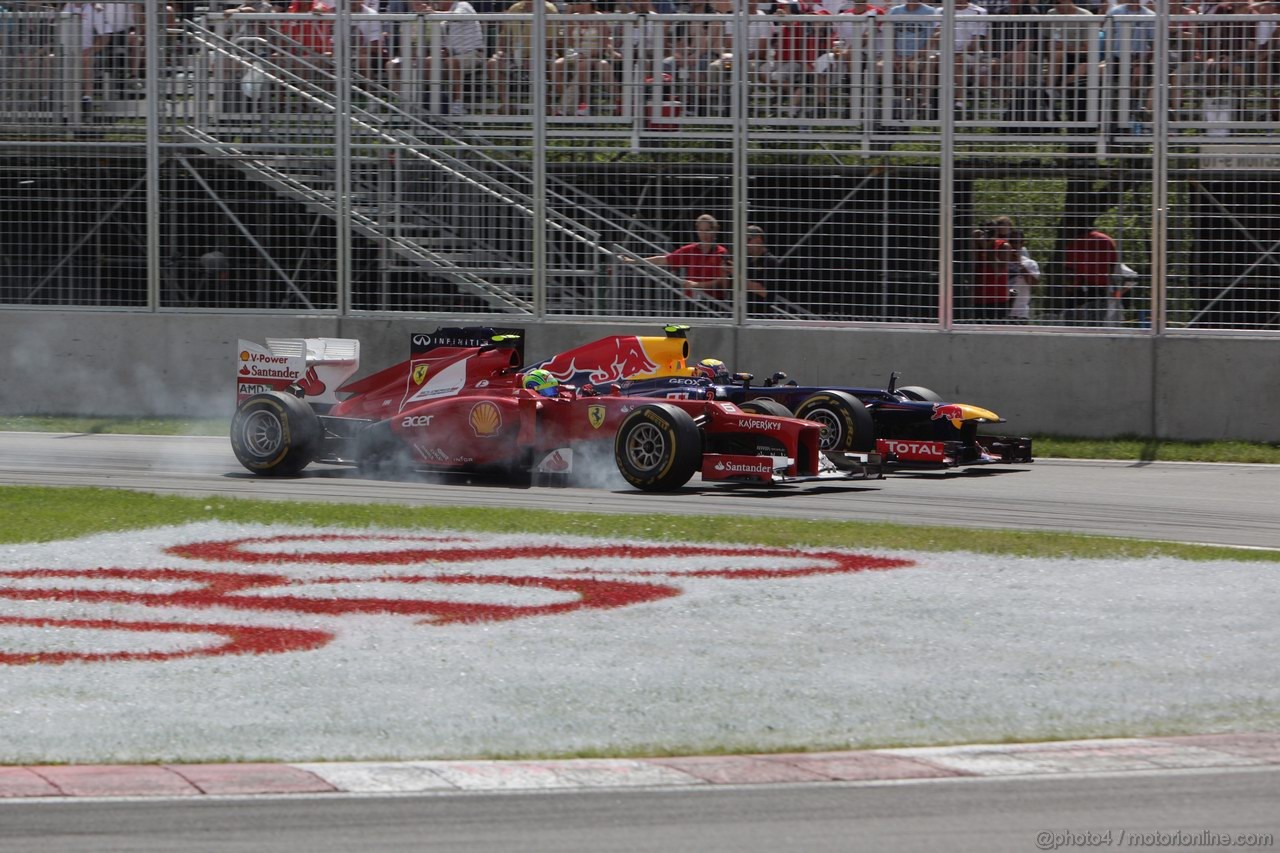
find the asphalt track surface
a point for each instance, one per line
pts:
(1185, 502)
(1225, 504)
(994, 815)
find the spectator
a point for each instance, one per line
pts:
(796, 50)
(1089, 261)
(970, 39)
(312, 35)
(1268, 59)
(511, 66)
(105, 27)
(639, 40)
(643, 32)
(1069, 59)
(1184, 55)
(912, 26)
(707, 41)
(1229, 53)
(1024, 275)
(255, 91)
(395, 7)
(762, 272)
(1129, 64)
(993, 256)
(369, 41)
(704, 264)
(760, 32)
(587, 62)
(123, 34)
(854, 59)
(1015, 52)
(685, 67)
(464, 48)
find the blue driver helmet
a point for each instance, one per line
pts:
(541, 381)
(712, 369)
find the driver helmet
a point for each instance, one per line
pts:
(712, 369)
(541, 382)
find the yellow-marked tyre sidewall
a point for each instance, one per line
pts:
(843, 413)
(298, 439)
(657, 448)
(765, 406)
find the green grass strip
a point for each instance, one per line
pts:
(44, 514)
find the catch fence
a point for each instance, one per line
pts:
(1027, 167)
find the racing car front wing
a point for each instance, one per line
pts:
(985, 450)
(766, 470)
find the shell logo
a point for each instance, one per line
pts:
(485, 419)
(244, 355)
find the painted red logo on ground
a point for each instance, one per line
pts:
(438, 580)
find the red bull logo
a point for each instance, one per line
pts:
(607, 360)
(948, 412)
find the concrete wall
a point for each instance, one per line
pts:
(1172, 387)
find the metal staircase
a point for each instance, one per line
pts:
(440, 199)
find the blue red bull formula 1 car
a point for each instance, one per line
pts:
(909, 426)
(462, 402)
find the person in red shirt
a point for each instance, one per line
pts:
(1089, 261)
(704, 265)
(993, 255)
(795, 49)
(315, 36)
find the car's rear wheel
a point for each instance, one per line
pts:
(765, 406)
(846, 423)
(658, 447)
(919, 393)
(275, 434)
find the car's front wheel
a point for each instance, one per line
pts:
(920, 394)
(658, 448)
(846, 423)
(765, 406)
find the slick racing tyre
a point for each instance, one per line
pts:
(919, 393)
(275, 434)
(765, 406)
(846, 423)
(658, 448)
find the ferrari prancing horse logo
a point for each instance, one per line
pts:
(419, 374)
(595, 415)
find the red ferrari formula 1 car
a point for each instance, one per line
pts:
(459, 403)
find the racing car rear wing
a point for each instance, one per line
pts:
(318, 366)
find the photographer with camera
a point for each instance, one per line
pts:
(992, 255)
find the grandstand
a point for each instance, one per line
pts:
(344, 162)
